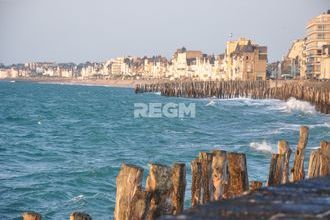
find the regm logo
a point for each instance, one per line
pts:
(168, 110)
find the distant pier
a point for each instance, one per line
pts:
(313, 91)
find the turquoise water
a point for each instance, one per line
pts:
(61, 146)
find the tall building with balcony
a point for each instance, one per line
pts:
(325, 62)
(318, 35)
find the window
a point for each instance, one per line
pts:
(248, 68)
(320, 36)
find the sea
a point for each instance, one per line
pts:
(61, 146)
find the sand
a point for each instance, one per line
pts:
(125, 83)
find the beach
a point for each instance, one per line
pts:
(125, 83)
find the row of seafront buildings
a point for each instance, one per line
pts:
(242, 60)
(308, 57)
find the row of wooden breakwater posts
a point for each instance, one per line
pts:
(215, 176)
(315, 92)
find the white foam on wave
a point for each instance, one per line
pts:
(211, 103)
(324, 125)
(77, 198)
(249, 102)
(287, 126)
(157, 93)
(263, 146)
(315, 148)
(296, 105)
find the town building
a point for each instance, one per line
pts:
(121, 66)
(8, 73)
(196, 65)
(296, 59)
(154, 67)
(181, 62)
(274, 70)
(325, 62)
(245, 60)
(318, 35)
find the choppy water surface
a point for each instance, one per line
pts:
(61, 146)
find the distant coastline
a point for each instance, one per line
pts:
(124, 83)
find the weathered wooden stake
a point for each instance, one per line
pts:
(140, 204)
(279, 165)
(238, 176)
(196, 171)
(297, 172)
(179, 187)
(80, 216)
(159, 184)
(254, 185)
(275, 170)
(206, 177)
(129, 189)
(219, 173)
(314, 163)
(325, 158)
(31, 216)
(283, 148)
(319, 161)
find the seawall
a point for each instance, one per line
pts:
(314, 91)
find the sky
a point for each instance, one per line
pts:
(97, 30)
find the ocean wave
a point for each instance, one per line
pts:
(263, 146)
(77, 198)
(295, 127)
(249, 102)
(293, 105)
(315, 148)
(211, 103)
(324, 125)
(287, 126)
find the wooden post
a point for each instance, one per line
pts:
(238, 176)
(31, 216)
(196, 171)
(159, 185)
(140, 204)
(319, 161)
(314, 164)
(206, 177)
(179, 187)
(80, 216)
(297, 172)
(325, 158)
(279, 165)
(219, 173)
(283, 148)
(254, 185)
(275, 170)
(129, 188)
